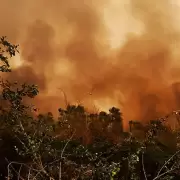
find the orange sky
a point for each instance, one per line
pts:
(126, 52)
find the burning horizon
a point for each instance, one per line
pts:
(101, 53)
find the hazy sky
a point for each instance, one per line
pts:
(100, 52)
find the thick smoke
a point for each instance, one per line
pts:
(65, 47)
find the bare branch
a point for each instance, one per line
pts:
(60, 164)
(144, 171)
(167, 162)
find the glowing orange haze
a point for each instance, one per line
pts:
(100, 52)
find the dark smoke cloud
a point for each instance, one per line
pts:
(64, 45)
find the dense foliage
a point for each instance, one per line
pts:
(79, 145)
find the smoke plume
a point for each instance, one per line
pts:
(101, 53)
